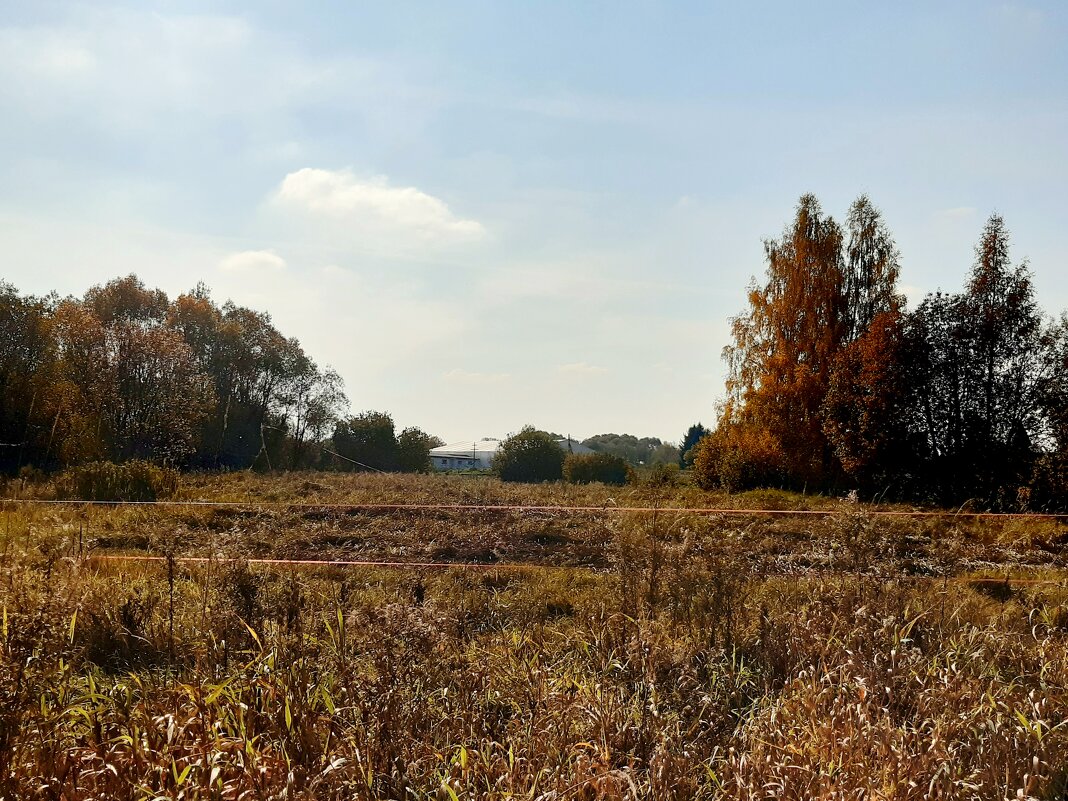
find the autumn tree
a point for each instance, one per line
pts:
(1050, 481)
(85, 383)
(123, 373)
(738, 457)
(272, 401)
(823, 288)
(310, 402)
(784, 345)
(867, 412)
(159, 398)
(1004, 327)
(27, 379)
(129, 387)
(254, 372)
(865, 407)
(872, 267)
(127, 300)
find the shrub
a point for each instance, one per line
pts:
(105, 481)
(664, 475)
(738, 458)
(32, 475)
(585, 468)
(530, 456)
(1049, 485)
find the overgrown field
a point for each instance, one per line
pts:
(587, 655)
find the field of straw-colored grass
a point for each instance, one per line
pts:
(593, 655)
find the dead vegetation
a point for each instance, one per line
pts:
(704, 657)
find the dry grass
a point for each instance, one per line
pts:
(266, 525)
(685, 666)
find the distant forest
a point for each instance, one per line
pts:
(833, 384)
(635, 450)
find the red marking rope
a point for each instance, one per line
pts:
(535, 508)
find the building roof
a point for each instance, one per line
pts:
(487, 447)
(573, 446)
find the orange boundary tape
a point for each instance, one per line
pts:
(535, 508)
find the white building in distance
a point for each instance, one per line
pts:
(466, 455)
(478, 454)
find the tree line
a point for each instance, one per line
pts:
(635, 450)
(126, 374)
(123, 373)
(833, 383)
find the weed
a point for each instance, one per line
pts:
(701, 659)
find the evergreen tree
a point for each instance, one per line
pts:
(980, 377)
(692, 437)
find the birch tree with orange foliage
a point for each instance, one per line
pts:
(823, 287)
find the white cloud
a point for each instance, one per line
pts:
(253, 261)
(341, 195)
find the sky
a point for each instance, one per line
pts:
(488, 214)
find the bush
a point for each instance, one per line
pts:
(738, 458)
(31, 475)
(665, 476)
(530, 456)
(584, 468)
(106, 481)
(1049, 485)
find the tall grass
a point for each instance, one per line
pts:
(682, 669)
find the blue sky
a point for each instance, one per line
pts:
(485, 214)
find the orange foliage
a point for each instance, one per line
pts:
(820, 291)
(738, 457)
(866, 405)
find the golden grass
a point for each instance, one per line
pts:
(684, 666)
